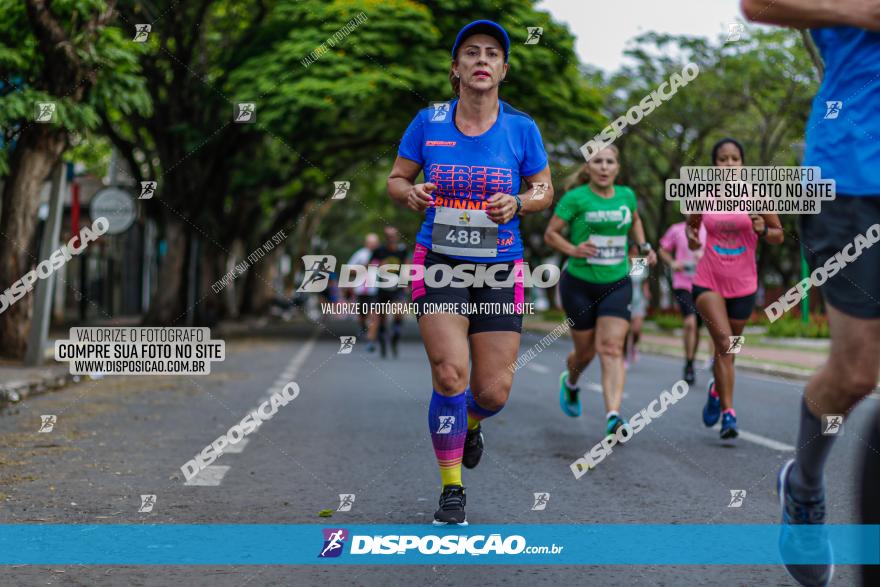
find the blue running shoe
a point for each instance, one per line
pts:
(799, 544)
(712, 409)
(568, 398)
(728, 426)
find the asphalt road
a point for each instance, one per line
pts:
(358, 427)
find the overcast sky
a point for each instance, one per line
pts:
(603, 28)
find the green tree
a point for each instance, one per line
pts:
(338, 116)
(389, 77)
(61, 53)
(757, 91)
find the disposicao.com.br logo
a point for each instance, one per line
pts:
(429, 544)
(319, 268)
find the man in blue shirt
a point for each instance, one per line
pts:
(843, 139)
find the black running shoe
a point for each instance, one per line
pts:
(689, 376)
(451, 510)
(473, 447)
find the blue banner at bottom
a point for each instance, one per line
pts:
(588, 544)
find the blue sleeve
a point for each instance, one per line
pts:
(534, 156)
(412, 141)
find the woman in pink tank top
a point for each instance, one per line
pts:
(725, 285)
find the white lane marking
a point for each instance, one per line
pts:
(298, 360)
(761, 440)
(210, 476)
(292, 369)
(766, 442)
(237, 447)
(538, 367)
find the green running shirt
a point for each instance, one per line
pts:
(606, 222)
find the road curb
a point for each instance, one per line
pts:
(12, 392)
(655, 349)
(744, 364)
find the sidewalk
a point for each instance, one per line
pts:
(18, 382)
(792, 358)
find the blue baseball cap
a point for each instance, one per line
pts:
(485, 27)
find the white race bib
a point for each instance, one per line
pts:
(611, 250)
(467, 233)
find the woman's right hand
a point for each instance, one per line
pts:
(584, 250)
(419, 197)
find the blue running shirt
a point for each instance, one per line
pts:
(843, 131)
(468, 170)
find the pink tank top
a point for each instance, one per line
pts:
(728, 263)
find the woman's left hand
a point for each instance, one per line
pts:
(501, 208)
(757, 223)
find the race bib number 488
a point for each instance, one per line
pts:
(464, 232)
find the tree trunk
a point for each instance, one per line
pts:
(37, 152)
(233, 295)
(259, 290)
(169, 303)
(211, 306)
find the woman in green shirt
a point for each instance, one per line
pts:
(595, 287)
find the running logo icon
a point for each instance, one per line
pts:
(142, 32)
(47, 423)
(446, 423)
(244, 113)
(535, 33)
(45, 112)
(737, 496)
(540, 190)
(148, 188)
(334, 540)
(736, 344)
(346, 500)
(340, 189)
(346, 344)
(147, 503)
(439, 111)
(735, 31)
(639, 265)
(832, 424)
(541, 500)
(318, 270)
(832, 109)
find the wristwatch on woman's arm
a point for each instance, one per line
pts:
(645, 248)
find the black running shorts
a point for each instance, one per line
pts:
(854, 290)
(584, 302)
(488, 309)
(737, 308)
(685, 300)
